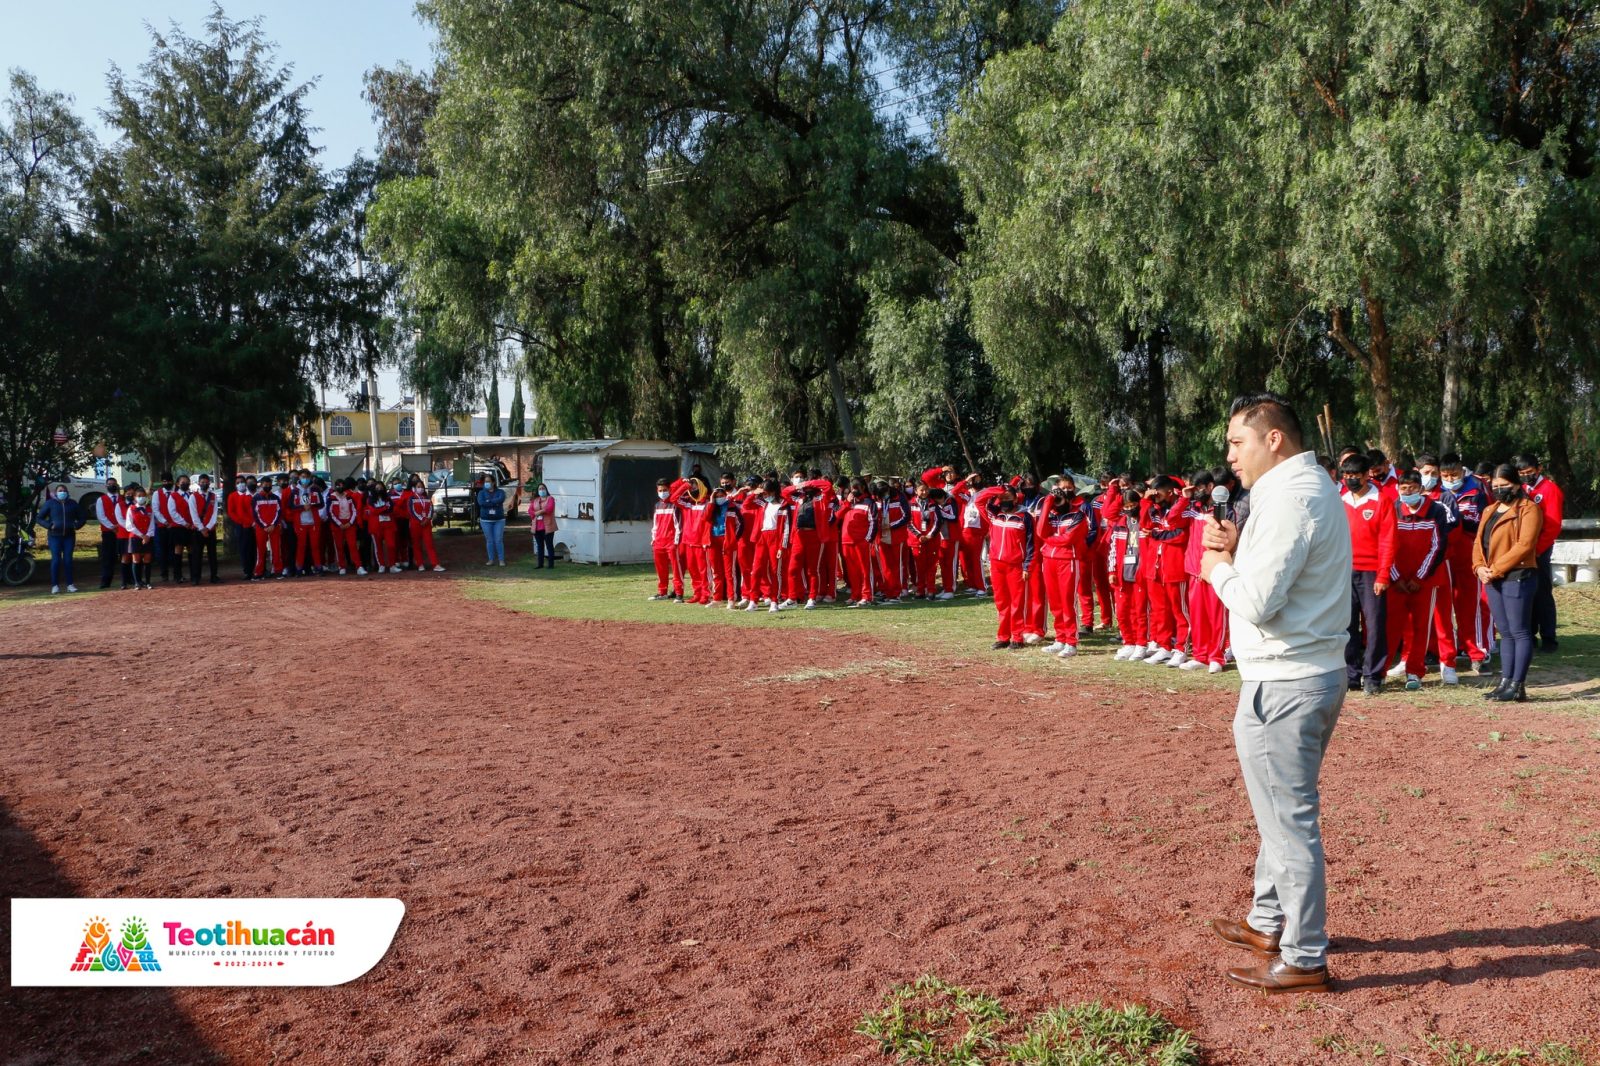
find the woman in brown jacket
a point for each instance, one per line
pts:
(1504, 556)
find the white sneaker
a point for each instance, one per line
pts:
(1151, 648)
(385, 569)
(1448, 675)
(1157, 657)
(811, 604)
(750, 607)
(1030, 639)
(945, 596)
(1067, 651)
(341, 571)
(362, 571)
(438, 569)
(1128, 652)
(1214, 668)
(1178, 658)
(1397, 670)
(774, 609)
(1054, 649)
(72, 588)
(659, 596)
(55, 590)
(786, 604)
(1192, 664)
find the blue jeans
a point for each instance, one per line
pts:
(1511, 602)
(494, 538)
(61, 546)
(1281, 732)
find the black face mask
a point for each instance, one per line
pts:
(1354, 484)
(1506, 494)
(1529, 479)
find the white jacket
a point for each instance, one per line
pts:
(1288, 590)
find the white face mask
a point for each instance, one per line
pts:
(1429, 482)
(238, 486)
(797, 480)
(661, 494)
(138, 501)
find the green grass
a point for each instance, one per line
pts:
(932, 1021)
(1568, 682)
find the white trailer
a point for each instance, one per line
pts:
(605, 493)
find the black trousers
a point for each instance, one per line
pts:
(244, 542)
(109, 549)
(1544, 602)
(1367, 653)
(179, 539)
(202, 543)
(288, 536)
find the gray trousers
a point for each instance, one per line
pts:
(1281, 732)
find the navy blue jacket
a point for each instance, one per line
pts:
(61, 518)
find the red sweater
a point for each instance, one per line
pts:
(1063, 533)
(1372, 528)
(1553, 502)
(1166, 537)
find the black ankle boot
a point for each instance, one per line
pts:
(1499, 691)
(1506, 693)
(1519, 693)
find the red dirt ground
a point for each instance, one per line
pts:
(615, 847)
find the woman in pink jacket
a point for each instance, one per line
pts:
(542, 519)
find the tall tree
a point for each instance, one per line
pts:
(519, 413)
(492, 404)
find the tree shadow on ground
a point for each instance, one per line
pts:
(78, 1025)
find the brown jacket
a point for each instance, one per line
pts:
(1511, 542)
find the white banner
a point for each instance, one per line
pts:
(107, 943)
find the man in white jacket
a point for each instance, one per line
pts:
(1285, 584)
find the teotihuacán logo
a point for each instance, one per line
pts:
(130, 953)
(237, 941)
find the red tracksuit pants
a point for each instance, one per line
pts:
(667, 567)
(1060, 577)
(972, 558)
(1410, 618)
(383, 543)
(346, 553)
(1132, 611)
(745, 580)
(1169, 613)
(1465, 602)
(1033, 605)
(769, 562)
(948, 551)
(720, 557)
(269, 538)
(1094, 576)
(308, 541)
(803, 573)
(1006, 582)
(858, 569)
(892, 569)
(928, 553)
(694, 558)
(828, 566)
(422, 544)
(1208, 622)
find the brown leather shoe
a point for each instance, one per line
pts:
(1240, 935)
(1279, 976)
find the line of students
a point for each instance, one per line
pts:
(300, 526)
(1420, 588)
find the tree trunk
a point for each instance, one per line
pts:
(1155, 354)
(847, 424)
(1380, 365)
(1452, 392)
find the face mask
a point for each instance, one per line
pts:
(61, 494)
(183, 486)
(661, 494)
(718, 500)
(1454, 486)
(1529, 479)
(1429, 482)
(797, 481)
(1506, 494)
(138, 501)
(305, 482)
(1411, 499)
(544, 492)
(1354, 484)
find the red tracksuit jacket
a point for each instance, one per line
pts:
(1166, 534)
(1419, 541)
(1063, 534)
(1010, 532)
(858, 523)
(267, 511)
(666, 529)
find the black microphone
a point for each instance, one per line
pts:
(1219, 501)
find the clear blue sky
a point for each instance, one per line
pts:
(70, 45)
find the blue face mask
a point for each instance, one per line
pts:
(305, 481)
(1411, 499)
(1454, 486)
(1429, 482)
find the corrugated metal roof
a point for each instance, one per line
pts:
(585, 446)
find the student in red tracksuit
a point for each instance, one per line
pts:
(305, 513)
(813, 519)
(858, 529)
(1095, 580)
(1465, 497)
(969, 534)
(722, 551)
(1125, 551)
(1208, 618)
(266, 515)
(1010, 558)
(1417, 578)
(242, 525)
(775, 524)
(344, 515)
(748, 500)
(893, 515)
(693, 498)
(928, 533)
(419, 523)
(1166, 536)
(382, 523)
(666, 533)
(1371, 516)
(1062, 535)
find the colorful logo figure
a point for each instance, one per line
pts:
(100, 954)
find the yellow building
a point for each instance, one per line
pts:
(348, 429)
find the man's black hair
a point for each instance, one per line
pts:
(1408, 477)
(1262, 411)
(1163, 481)
(1427, 459)
(1376, 458)
(1525, 460)
(1451, 459)
(1354, 464)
